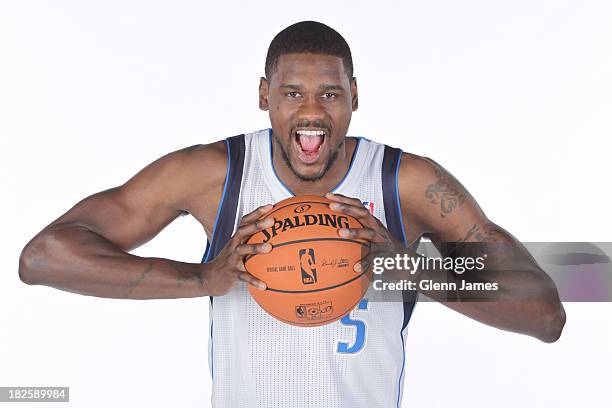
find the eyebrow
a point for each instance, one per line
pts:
(327, 87)
(332, 87)
(290, 86)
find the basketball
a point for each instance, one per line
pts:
(309, 272)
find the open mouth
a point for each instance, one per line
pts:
(309, 143)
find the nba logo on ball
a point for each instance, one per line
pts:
(308, 266)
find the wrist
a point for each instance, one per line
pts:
(188, 278)
(200, 274)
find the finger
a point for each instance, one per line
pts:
(364, 233)
(364, 263)
(255, 214)
(374, 250)
(357, 211)
(245, 231)
(251, 280)
(250, 249)
(344, 199)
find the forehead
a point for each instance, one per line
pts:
(298, 68)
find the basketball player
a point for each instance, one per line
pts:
(256, 361)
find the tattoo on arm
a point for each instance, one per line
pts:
(481, 233)
(488, 239)
(185, 276)
(445, 192)
(133, 283)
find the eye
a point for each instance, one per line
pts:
(293, 94)
(330, 95)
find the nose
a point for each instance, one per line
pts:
(310, 112)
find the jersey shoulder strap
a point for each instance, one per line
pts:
(393, 214)
(226, 213)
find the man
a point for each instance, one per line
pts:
(310, 94)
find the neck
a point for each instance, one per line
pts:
(330, 180)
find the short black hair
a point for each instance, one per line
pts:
(309, 37)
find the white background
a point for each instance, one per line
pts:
(514, 98)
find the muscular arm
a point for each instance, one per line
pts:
(446, 213)
(86, 250)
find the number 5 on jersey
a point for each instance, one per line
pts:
(360, 331)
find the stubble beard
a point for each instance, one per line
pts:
(330, 160)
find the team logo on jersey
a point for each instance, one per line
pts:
(308, 266)
(369, 205)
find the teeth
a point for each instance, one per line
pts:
(310, 132)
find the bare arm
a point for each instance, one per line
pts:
(86, 250)
(440, 207)
(449, 214)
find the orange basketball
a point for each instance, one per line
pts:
(309, 272)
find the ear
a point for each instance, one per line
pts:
(263, 93)
(354, 96)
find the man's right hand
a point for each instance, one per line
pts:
(227, 268)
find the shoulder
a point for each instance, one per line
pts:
(419, 172)
(201, 161)
(433, 196)
(179, 176)
(211, 156)
(417, 179)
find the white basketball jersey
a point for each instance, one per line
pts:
(258, 361)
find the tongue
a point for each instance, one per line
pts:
(310, 143)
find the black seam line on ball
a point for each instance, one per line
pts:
(318, 290)
(314, 322)
(314, 202)
(367, 245)
(299, 202)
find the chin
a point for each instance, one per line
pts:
(312, 175)
(317, 170)
(302, 169)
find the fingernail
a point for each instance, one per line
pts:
(334, 206)
(261, 286)
(357, 267)
(329, 195)
(344, 233)
(266, 247)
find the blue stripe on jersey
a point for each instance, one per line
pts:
(226, 212)
(399, 381)
(208, 242)
(393, 215)
(397, 199)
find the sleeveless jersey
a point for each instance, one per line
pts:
(258, 361)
